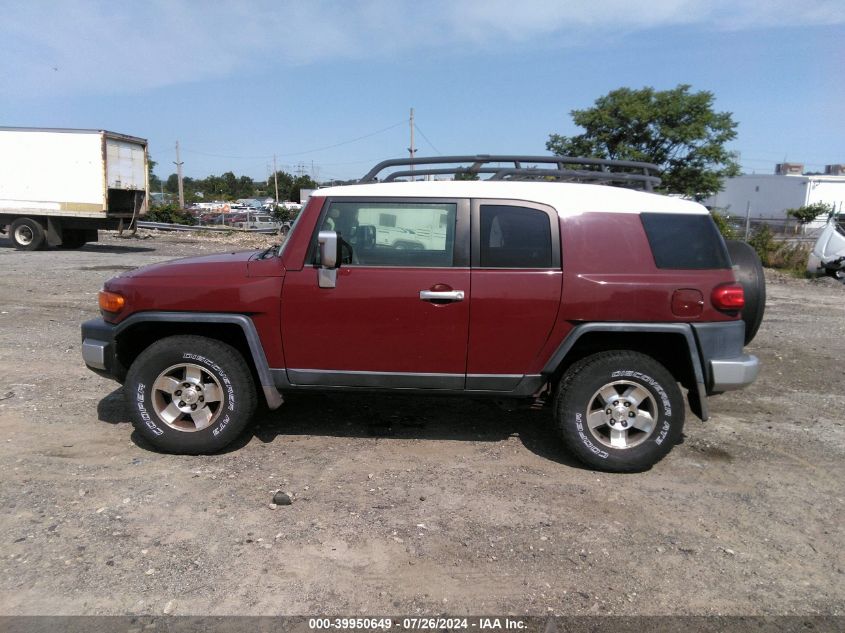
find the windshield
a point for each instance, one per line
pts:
(290, 233)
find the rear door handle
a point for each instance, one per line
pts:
(450, 295)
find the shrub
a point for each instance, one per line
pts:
(809, 212)
(791, 257)
(171, 214)
(763, 241)
(724, 226)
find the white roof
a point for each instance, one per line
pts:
(566, 198)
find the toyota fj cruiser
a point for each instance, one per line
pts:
(552, 279)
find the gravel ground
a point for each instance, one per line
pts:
(408, 505)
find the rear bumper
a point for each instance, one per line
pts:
(726, 366)
(734, 373)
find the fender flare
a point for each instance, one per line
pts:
(684, 329)
(259, 359)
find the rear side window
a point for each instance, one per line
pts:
(685, 241)
(515, 237)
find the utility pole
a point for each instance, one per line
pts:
(747, 219)
(276, 179)
(178, 164)
(411, 149)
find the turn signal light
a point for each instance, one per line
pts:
(728, 297)
(111, 301)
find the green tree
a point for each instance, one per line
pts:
(155, 181)
(171, 185)
(300, 182)
(285, 181)
(675, 129)
(809, 212)
(282, 213)
(230, 184)
(246, 188)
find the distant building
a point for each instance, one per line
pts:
(770, 195)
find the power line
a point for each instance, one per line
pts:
(359, 138)
(307, 151)
(192, 151)
(436, 151)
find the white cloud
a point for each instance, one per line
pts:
(100, 47)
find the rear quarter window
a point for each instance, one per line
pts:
(685, 241)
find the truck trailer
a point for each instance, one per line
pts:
(59, 186)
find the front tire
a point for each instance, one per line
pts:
(619, 411)
(190, 394)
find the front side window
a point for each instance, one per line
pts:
(515, 237)
(399, 234)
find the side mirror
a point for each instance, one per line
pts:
(330, 254)
(330, 258)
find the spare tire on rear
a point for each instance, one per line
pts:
(749, 273)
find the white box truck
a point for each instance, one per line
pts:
(58, 186)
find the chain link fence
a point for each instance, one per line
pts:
(786, 229)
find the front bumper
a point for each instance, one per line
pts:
(734, 373)
(99, 349)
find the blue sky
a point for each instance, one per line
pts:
(236, 82)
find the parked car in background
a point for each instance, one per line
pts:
(212, 218)
(257, 221)
(828, 254)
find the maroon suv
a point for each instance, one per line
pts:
(566, 282)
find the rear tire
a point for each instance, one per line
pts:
(27, 234)
(619, 411)
(749, 275)
(190, 394)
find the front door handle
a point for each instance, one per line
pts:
(446, 296)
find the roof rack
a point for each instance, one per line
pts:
(623, 173)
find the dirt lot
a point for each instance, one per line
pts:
(417, 505)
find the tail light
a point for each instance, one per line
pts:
(728, 297)
(111, 301)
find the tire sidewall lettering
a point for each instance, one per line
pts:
(140, 398)
(579, 426)
(648, 380)
(230, 391)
